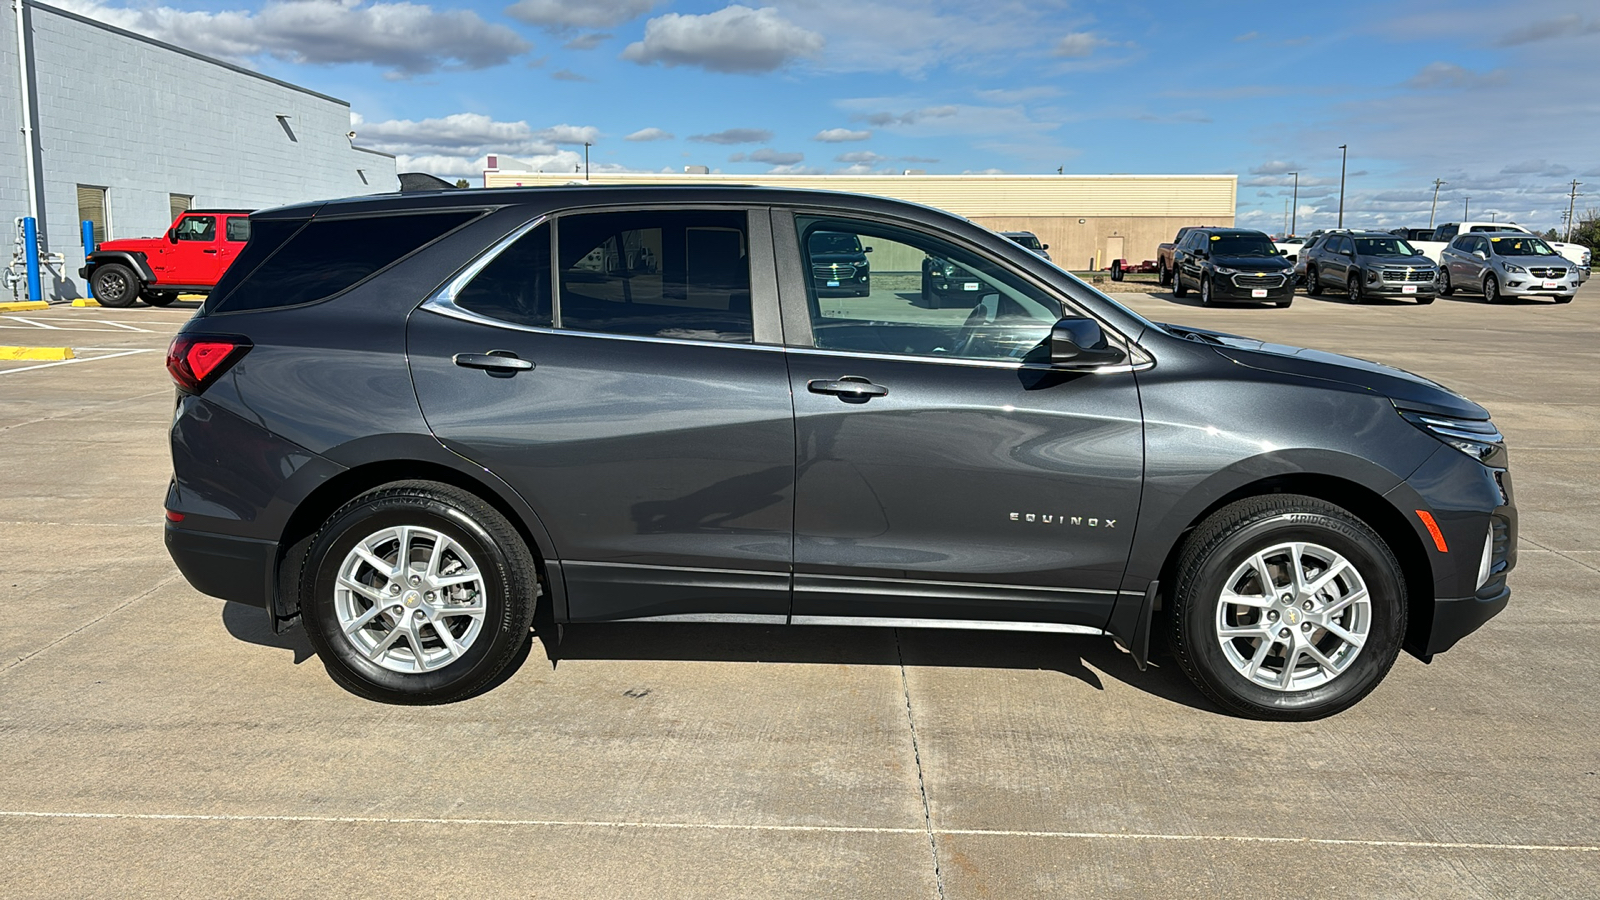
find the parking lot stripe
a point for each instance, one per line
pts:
(32, 353)
(81, 359)
(834, 829)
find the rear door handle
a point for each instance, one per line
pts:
(208, 251)
(849, 388)
(494, 362)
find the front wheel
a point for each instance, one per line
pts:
(1205, 290)
(417, 592)
(1491, 289)
(1287, 608)
(1564, 298)
(1352, 288)
(114, 285)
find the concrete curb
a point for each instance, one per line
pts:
(35, 353)
(22, 305)
(85, 301)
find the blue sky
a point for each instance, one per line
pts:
(1501, 100)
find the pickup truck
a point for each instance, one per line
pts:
(1164, 254)
(1444, 234)
(188, 259)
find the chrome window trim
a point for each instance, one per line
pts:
(453, 287)
(973, 624)
(445, 306)
(1140, 366)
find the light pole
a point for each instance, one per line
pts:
(1295, 205)
(585, 160)
(1435, 207)
(1571, 200)
(1466, 204)
(1344, 156)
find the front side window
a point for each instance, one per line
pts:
(896, 291)
(669, 274)
(1384, 247)
(197, 228)
(515, 286)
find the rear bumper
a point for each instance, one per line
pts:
(231, 568)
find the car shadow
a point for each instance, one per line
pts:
(1083, 658)
(249, 624)
(1193, 301)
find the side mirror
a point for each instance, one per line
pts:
(172, 235)
(1044, 246)
(1349, 254)
(1078, 343)
(1480, 254)
(867, 250)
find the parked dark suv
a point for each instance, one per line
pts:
(1231, 264)
(411, 422)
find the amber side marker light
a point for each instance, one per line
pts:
(1433, 529)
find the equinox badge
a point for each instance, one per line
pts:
(1055, 519)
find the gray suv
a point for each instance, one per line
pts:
(1507, 264)
(1366, 264)
(421, 425)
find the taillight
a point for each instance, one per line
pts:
(196, 360)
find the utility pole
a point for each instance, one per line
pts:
(1572, 200)
(1435, 208)
(1285, 218)
(1294, 207)
(1466, 204)
(1344, 157)
(585, 160)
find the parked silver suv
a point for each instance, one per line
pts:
(1369, 264)
(1507, 264)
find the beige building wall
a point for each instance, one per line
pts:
(1074, 214)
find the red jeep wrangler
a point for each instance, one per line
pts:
(190, 259)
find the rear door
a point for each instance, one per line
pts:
(235, 233)
(942, 473)
(642, 408)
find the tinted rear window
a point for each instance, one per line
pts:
(324, 257)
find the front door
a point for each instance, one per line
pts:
(191, 255)
(637, 415)
(942, 472)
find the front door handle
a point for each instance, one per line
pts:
(850, 388)
(495, 362)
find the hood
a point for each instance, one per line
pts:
(1253, 263)
(839, 256)
(1415, 262)
(132, 244)
(1405, 389)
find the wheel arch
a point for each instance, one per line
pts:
(131, 258)
(337, 490)
(1361, 501)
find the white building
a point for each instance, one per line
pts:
(125, 130)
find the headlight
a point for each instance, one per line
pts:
(1224, 270)
(949, 271)
(1476, 438)
(1372, 276)
(1515, 270)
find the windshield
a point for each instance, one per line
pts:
(1242, 245)
(1530, 246)
(1026, 240)
(834, 242)
(1384, 247)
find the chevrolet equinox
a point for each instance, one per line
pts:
(412, 422)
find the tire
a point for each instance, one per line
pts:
(114, 285)
(1116, 270)
(1564, 298)
(1248, 676)
(161, 298)
(1205, 290)
(1313, 281)
(1445, 288)
(1284, 304)
(458, 535)
(1352, 289)
(1491, 288)
(1163, 276)
(1424, 301)
(1178, 290)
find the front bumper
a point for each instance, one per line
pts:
(1398, 288)
(1244, 288)
(1512, 285)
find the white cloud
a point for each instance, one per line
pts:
(565, 15)
(768, 155)
(841, 135)
(733, 136)
(456, 145)
(1449, 76)
(910, 117)
(569, 75)
(1079, 45)
(733, 39)
(569, 134)
(650, 134)
(860, 157)
(404, 38)
(588, 41)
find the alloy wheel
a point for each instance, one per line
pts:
(410, 599)
(1293, 617)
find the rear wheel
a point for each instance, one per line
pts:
(159, 298)
(1313, 282)
(114, 285)
(1445, 289)
(1163, 275)
(1491, 288)
(417, 592)
(1287, 607)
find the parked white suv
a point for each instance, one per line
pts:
(1507, 264)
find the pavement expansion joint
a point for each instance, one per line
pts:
(916, 755)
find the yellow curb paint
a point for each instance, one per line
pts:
(85, 301)
(191, 296)
(36, 353)
(22, 305)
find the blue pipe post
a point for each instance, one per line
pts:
(88, 248)
(30, 252)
